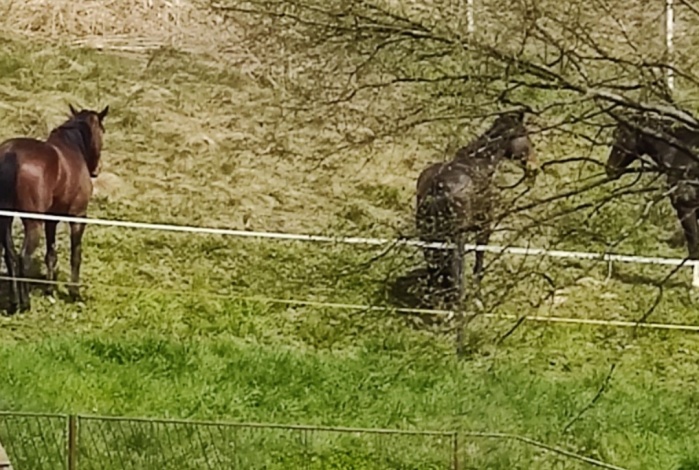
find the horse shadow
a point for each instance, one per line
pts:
(412, 290)
(635, 279)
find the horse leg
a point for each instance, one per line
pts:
(688, 219)
(456, 272)
(76, 240)
(482, 238)
(10, 256)
(31, 242)
(434, 259)
(457, 292)
(51, 259)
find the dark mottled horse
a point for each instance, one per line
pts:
(457, 197)
(674, 149)
(48, 177)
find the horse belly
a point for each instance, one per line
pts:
(73, 201)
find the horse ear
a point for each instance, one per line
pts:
(103, 114)
(72, 110)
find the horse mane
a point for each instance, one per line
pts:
(658, 127)
(504, 126)
(654, 121)
(77, 133)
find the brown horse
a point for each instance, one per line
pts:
(49, 177)
(457, 197)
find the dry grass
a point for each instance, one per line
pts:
(127, 25)
(198, 137)
(190, 143)
(191, 134)
(156, 20)
(197, 140)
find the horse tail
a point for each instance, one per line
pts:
(9, 166)
(436, 225)
(435, 214)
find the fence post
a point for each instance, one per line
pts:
(669, 36)
(72, 442)
(695, 276)
(455, 451)
(457, 306)
(470, 21)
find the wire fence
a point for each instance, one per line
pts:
(517, 251)
(71, 442)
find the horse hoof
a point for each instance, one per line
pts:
(75, 296)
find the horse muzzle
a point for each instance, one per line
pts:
(96, 172)
(613, 172)
(531, 171)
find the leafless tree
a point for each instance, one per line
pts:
(373, 71)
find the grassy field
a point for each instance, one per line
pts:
(191, 326)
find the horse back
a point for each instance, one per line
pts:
(427, 177)
(48, 178)
(36, 159)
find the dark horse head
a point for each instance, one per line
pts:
(673, 149)
(83, 131)
(458, 196)
(629, 142)
(507, 138)
(668, 143)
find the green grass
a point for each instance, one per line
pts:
(173, 325)
(531, 387)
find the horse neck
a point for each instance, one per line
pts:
(488, 144)
(482, 156)
(664, 146)
(58, 138)
(482, 168)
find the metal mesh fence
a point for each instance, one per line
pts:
(158, 444)
(35, 441)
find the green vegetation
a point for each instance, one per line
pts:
(184, 325)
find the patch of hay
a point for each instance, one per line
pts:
(110, 186)
(127, 25)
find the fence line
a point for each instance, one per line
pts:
(295, 427)
(534, 443)
(608, 257)
(93, 441)
(379, 308)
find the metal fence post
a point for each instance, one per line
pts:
(72, 442)
(455, 451)
(669, 37)
(470, 20)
